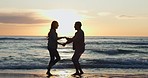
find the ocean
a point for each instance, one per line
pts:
(101, 52)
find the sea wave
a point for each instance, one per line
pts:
(127, 43)
(85, 63)
(116, 52)
(30, 53)
(18, 38)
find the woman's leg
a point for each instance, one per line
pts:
(53, 54)
(51, 61)
(57, 56)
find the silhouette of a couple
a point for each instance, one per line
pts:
(78, 46)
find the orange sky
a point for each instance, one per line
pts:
(98, 17)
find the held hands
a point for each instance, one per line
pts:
(66, 38)
(63, 44)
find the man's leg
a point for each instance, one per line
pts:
(75, 59)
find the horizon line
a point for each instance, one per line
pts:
(69, 36)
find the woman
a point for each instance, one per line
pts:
(52, 46)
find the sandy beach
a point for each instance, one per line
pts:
(66, 73)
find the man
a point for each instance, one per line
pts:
(78, 46)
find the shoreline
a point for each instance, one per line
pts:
(66, 73)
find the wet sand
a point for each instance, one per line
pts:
(62, 73)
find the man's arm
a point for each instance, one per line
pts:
(69, 40)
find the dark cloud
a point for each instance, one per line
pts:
(21, 18)
(126, 16)
(132, 17)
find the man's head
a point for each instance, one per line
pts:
(77, 25)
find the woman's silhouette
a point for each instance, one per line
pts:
(52, 46)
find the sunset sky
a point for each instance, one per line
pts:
(99, 17)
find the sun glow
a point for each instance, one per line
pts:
(66, 19)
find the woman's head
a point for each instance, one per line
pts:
(54, 25)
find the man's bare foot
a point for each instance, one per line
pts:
(81, 72)
(75, 74)
(48, 73)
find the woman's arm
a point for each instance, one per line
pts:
(60, 38)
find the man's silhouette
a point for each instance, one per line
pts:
(78, 46)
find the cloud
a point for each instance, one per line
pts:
(126, 17)
(21, 18)
(131, 17)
